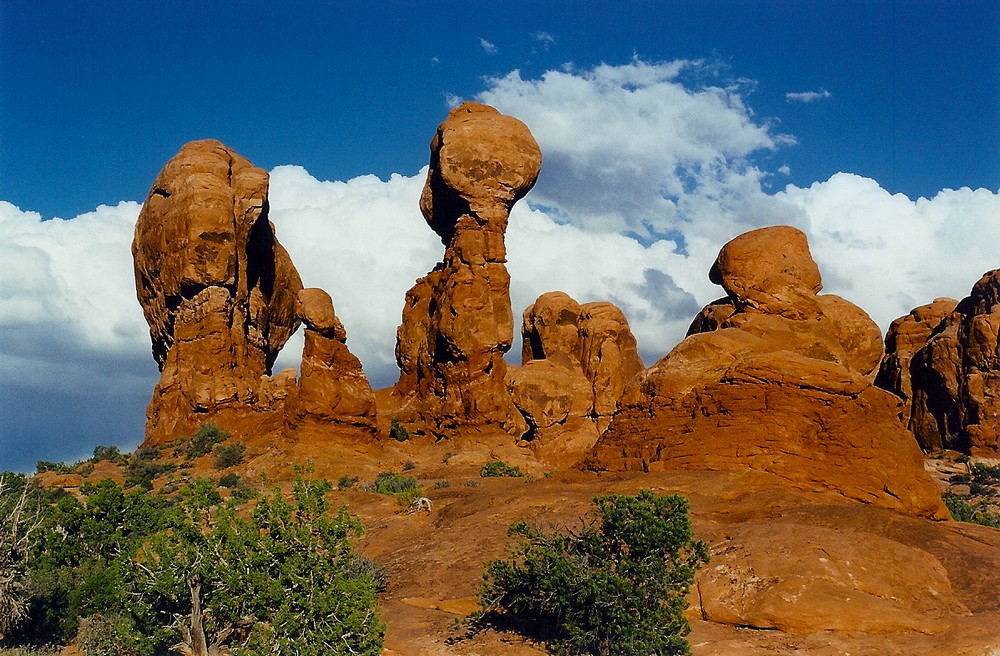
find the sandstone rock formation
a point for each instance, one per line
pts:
(216, 287)
(457, 320)
(782, 386)
(576, 360)
(955, 376)
(906, 336)
(332, 386)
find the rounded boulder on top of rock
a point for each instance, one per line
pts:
(782, 385)
(457, 320)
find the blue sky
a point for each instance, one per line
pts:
(667, 128)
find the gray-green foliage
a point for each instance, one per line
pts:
(500, 469)
(20, 524)
(616, 587)
(281, 581)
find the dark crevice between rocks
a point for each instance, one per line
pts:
(159, 191)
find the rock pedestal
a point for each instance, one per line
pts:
(457, 320)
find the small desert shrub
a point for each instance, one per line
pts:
(202, 442)
(962, 511)
(43, 466)
(397, 430)
(230, 480)
(500, 469)
(472, 483)
(347, 482)
(108, 634)
(142, 468)
(229, 455)
(393, 483)
(109, 453)
(409, 466)
(616, 587)
(442, 484)
(365, 566)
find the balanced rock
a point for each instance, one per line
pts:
(955, 376)
(782, 386)
(457, 320)
(906, 336)
(576, 360)
(217, 289)
(332, 387)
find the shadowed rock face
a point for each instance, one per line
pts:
(783, 386)
(457, 320)
(955, 376)
(216, 287)
(906, 336)
(576, 360)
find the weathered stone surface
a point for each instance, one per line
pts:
(955, 377)
(217, 289)
(782, 386)
(576, 358)
(457, 320)
(332, 386)
(906, 336)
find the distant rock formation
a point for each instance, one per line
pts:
(576, 360)
(906, 336)
(457, 320)
(221, 298)
(955, 376)
(332, 386)
(782, 386)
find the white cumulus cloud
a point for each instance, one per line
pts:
(647, 172)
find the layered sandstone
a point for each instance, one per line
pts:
(217, 289)
(783, 386)
(955, 376)
(576, 360)
(906, 336)
(457, 320)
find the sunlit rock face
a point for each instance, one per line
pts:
(575, 361)
(783, 385)
(457, 320)
(216, 287)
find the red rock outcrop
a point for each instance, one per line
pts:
(576, 360)
(955, 377)
(782, 386)
(216, 287)
(457, 320)
(906, 336)
(332, 387)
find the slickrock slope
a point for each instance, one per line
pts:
(955, 377)
(783, 386)
(457, 320)
(216, 287)
(906, 336)
(576, 360)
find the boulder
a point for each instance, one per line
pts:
(217, 289)
(783, 385)
(906, 336)
(576, 360)
(457, 320)
(955, 377)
